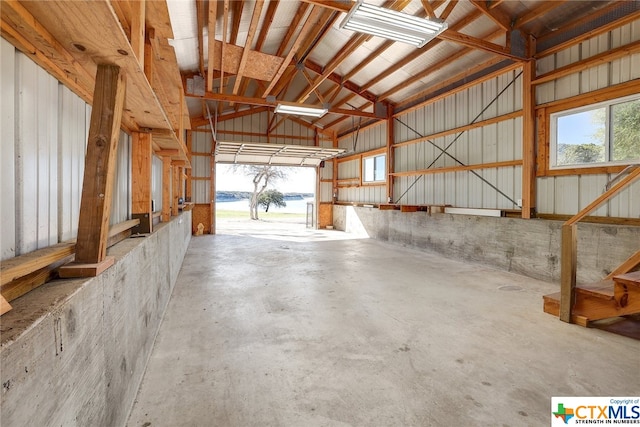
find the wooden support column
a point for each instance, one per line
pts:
(188, 189)
(528, 140)
(568, 267)
(334, 178)
(390, 152)
(97, 188)
(212, 185)
(176, 190)
(166, 188)
(138, 9)
(141, 177)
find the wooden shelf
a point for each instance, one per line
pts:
(92, 34)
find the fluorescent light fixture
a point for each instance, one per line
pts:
(300, 110)
(391, 24)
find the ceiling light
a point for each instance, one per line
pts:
(301, 110)
(391, 24)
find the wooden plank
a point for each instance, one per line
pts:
(568, 266)
(22, 265)
(76, 269)
(593, 61)
(253, 26)
(176, 189)
(496, 15)
(628, 279)
(306, 28)
(460, 129)
(477, 43)
(630, 263)
(4, 305)
(138, 10)
(260, 66)
(592, 219)
(615, 189)
(459, 168)
(528, 140)
(29, 282)
(166, 189)
(97, 188)
(605, 94)
(141, 178)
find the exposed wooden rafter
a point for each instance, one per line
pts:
(248, 44)
(495, 14)
(211, 36)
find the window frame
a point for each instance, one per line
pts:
(553, 117)
(364, 168)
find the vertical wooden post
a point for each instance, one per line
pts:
(390, 152)
(334, 178)
(176, 190)
(166, 189)
(141, 177)
(189, 190)
(212, 186)
(100, 160)
(528, 138)
(138, 9)
(568, 267)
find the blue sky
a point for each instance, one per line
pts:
(299, 180)
(576, 128)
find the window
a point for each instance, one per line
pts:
(608, 132)
(374, 168)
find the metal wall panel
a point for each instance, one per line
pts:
(36, 106)
(496, 142)
(44, 134)
(156, 183)
(201, 142)
(568, 194)
(121, 203)
(7, 148)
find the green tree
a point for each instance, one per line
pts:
(626, 131)
(261, 175)
(576, 154)
(270, 197)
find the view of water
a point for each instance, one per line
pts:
(293, 206)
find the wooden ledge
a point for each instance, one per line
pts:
(76, 270)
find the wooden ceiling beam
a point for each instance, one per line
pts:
(297, 19)
(204, 121)
(253, 26)
(482, 44)
(340, 6)
(225, 22)
(237, 18)
(264, 103)
(496, 15)
(200, 25)
(447, 10)
(428, 8)
(211, 36)
(544, 8)
(430, 70)
(306, 28)
(336, 78)
(470, 17)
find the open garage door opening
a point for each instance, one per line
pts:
(255, 197)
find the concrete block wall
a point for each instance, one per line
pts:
(73, 352)
(528, 247)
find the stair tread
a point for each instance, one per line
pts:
(632, 279)
(602, 289)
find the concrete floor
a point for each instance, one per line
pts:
(291, 327)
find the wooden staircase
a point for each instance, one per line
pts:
(616, 297)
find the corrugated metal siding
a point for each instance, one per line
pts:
(121, 203)
(201, 143)
(568, 194)
(492, 143)
(365, 140)
(156, 183)
(7, 150)
(44, 135)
